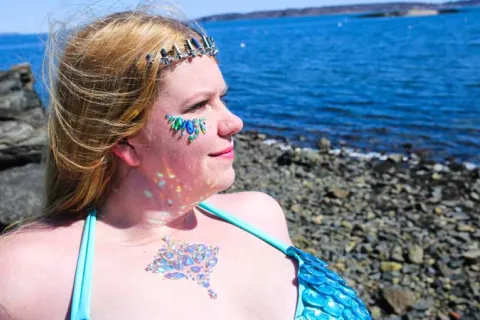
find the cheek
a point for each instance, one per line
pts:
(174, 152)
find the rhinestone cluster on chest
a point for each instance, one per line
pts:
(194, 262)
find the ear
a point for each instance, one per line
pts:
(125, 151)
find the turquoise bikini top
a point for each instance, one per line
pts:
(322, 293)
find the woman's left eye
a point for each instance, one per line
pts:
(198, 106)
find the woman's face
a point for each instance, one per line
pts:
(183, 171)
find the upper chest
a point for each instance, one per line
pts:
(252, 280)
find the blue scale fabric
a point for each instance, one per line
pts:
(323, 295)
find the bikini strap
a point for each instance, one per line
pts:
(82, 288)
(245, 226)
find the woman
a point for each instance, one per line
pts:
(140, 144)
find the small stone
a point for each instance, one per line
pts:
(324, 145)
(318, 219)
(396, 157)
(466, 228)
(370, 215)
(296, 208)
(472, 254)
(337, 192)
(375, 312)
(415, 254)
(423, 305)
(436, 176)
(455, 315)
(350, 246)
(397, 254)
(388, 266)
(339, 266)
(399, 299)
(346, 225)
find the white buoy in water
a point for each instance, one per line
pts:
(339, 24)
(242, 45)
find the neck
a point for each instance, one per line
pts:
(139, 208)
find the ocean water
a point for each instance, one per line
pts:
(372, 84)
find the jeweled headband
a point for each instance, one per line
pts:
(193, 48)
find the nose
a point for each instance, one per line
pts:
(229, 124)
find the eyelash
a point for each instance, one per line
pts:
(202, 104)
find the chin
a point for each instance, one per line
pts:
(225, 180)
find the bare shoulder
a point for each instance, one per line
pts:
(33, 262)
(256, 208)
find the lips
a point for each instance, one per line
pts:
(225, 151)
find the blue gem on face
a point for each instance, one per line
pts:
(189, 126)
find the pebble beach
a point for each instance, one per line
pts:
(403, 231)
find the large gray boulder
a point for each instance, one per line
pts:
(23, 138)
(21, 192)
(22, 118)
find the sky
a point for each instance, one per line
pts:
(31, 16)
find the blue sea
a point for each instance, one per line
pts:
(371, 84)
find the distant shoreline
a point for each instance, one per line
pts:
(374, 9)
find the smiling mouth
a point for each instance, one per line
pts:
(227, 151)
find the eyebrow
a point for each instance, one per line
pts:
(203, 94)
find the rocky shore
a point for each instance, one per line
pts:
(403, 231)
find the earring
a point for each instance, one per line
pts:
(193, 127)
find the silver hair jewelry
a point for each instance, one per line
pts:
(186, 261)
(192, 47)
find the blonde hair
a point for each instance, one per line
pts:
(101, 89)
